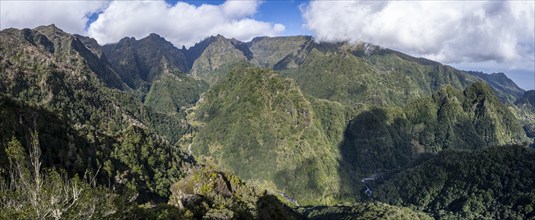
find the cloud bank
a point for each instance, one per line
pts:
(450, 32)
(182, 23)
(71, 16)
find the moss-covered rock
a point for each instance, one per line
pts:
(212, 194)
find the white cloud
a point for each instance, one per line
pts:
(450, 32)
(71, 16)
(182, 23)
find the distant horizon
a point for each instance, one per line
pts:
(524, 80)
(487, 36)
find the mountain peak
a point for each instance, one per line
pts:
(157, 40)
(500, 74)
(154, 36)
(126, 41)
(50, 26)
(50, 30)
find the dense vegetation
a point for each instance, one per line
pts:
(26, 192)
(525, 111)
(265, 120)
(279, 135)
(84, 124)
(364, 73)
(217, 57)
(216, 195)
(493, 183)
(450, 119)
(114, 131)
(370, 210)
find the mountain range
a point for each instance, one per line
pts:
(280, 125)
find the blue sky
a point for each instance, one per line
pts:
(488, 36)
(285, 12)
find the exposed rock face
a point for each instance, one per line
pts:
(202, 184)
(219, 53)
(210, 194)
(139, 62)
(269, 51)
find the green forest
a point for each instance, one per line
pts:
(273, 128)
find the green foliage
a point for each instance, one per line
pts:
(362, 110)
(173, 93)
(81, 120)
(451, 119)
(269, 51)
(361, 211)
(261, 126)
(160, 211)
(389, 139)
(493, 183)
(146, 163)
(168, 99)
(343, 73)
(365, 73)
(210, 194)
(270, 125)
(524, 109)
(527, 99)
(504, 88)
(216, 55)
(26, 192)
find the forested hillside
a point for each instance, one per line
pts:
(274, 128)
(493, 183)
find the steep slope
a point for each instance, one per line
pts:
(157, 70)
(527, 101)
(524, 110)
(347, 117)
(170, 95)
(215, 56)
(91, 44)
(260, 126)
(365, 73)
(139, 62)
(504, 87)
(63, 45)
(210, 194)
(495, 183)
(385, 139)
(268, 51)
(88, 125)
